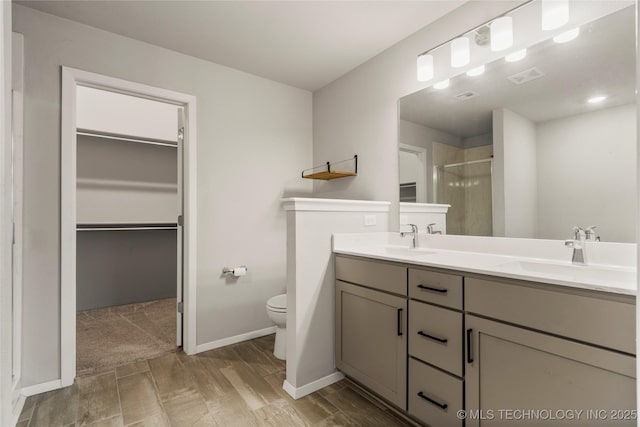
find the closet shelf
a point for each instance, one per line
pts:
(115, 137)
(329, 174)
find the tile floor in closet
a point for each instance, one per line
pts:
(237, 385)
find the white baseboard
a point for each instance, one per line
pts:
(298, 392)
(235, 339)
(41, 388)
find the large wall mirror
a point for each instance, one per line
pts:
(534, 147)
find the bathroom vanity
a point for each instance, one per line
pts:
(436, 340)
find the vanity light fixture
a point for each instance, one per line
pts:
(442, 85)
(596, 99)
(516, 56)
(567, 36)
(555, 14)
(460, 52)
(501, 33)
(425, 67)
(476, 71)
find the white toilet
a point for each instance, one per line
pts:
(277, 311)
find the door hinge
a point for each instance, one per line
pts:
(180, 307)
(180, 220)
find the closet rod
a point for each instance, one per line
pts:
(125, 227)
(127, 139)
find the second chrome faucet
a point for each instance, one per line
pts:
(580, 237)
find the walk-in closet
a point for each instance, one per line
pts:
(127, 248)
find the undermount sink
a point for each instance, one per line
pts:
(578, 273)
(405, 251)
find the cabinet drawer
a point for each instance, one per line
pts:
(373, 274)
(435, 336)
(434, 397)
(592, 319)
(438, 288)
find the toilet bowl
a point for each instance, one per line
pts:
(277, 311)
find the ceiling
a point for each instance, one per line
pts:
(600, 61)
(306, 44)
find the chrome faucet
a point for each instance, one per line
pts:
(413, 232)
(590, 234)
(430, 229)
(578, 245)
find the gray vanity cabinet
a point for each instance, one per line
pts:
(434, 342)
(371, 344)
(512, 368)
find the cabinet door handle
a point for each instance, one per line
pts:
(399, 322)
(469, 349)
(432, 337)
(429, 288)
(442, 406)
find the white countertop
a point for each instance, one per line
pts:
(539, 265)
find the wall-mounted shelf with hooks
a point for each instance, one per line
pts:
(329, 174)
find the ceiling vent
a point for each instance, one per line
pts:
(526, 76)
(466, 95)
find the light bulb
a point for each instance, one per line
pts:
(425, 68)
(501, 33)
(567, 36)
(516, 56)
(476, 71)
(442, 85)
(460, 52)
(555, 13)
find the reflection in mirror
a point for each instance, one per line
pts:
(535, 147)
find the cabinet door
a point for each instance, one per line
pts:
(371, 344)
(514, 369)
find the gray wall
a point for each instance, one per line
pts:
(254, 138)
(125, 267)
(358, 113)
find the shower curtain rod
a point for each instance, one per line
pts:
(469, 162)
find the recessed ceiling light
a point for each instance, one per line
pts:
(596, 99)
(567, 36)
(516, 56)
(442, 85)
(475, 71)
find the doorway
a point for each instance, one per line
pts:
(127, 222)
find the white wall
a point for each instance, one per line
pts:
(254, 138)
(6, 320)
(358, 113)
(515, 201)
(409, 166)
(586, 172)
(311, 284)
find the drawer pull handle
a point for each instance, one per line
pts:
(429, 288)
(434, 338)
(442, 406)
(469, 349)
(399, 322)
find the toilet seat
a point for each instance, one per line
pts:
(278, 303)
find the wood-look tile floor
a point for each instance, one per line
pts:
(239, 385)
(113, 336)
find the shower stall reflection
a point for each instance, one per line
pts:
(466, 186)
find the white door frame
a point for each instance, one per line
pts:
(421, 184)
(71, 78)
